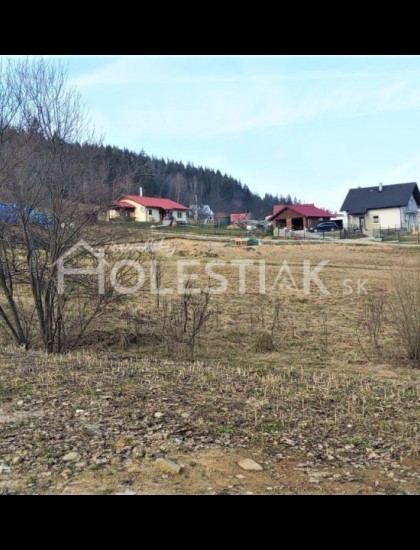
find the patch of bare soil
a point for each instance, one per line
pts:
(216, 472)
(87, 423)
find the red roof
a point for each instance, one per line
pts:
(123, 204)
(238, 217)
(153, 202)
(304, 210)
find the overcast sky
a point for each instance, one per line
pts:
(311, 126)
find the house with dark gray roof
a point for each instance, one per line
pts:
(383, 206)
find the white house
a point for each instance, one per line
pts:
(383, 206)
(147, 209)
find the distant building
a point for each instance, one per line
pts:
(221, 219)
(147, 209)
(298, 216)
(383, 206)
(237, 218)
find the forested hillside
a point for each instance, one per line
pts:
(123, 171)
(110, 172)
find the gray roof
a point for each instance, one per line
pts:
(362, 199)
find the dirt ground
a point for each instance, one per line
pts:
(216, 472)
(96, 424)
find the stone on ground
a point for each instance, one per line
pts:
(167, 466)
(72, 457)
(250, 465)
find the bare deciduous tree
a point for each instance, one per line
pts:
(47, 180)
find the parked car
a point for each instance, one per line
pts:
(324, 227)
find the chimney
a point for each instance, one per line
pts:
(381, 186)
(141, 191)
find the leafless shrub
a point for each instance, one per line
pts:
(81, 304)
(142, 324)
(264, 343)
(184, 319)
(399, 312)
(200, 314)
(371, 323)
(405, 313)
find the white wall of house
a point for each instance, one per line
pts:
(405, 217)
(388, 217)
(180, 215)
(143, 213)
(153, 215)
(384, 217)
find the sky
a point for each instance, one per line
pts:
(308, 126)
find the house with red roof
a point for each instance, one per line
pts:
(237, 218)
(147, 209)
(298, 216)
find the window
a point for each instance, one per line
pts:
(150, 212)
(375, 219)
(179, 214)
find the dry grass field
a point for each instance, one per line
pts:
(295, 380)
(308, 329)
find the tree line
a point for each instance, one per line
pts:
(125, 171)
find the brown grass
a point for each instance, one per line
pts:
(307, 330)
(317, 397)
